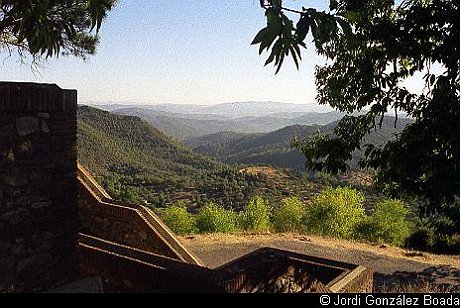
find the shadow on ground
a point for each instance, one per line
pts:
(442, 278)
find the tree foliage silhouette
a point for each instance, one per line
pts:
(371, 47)
(48, 28)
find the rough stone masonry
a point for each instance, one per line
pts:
(38, 209)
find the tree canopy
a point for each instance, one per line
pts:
(371, 47)
(47, 28)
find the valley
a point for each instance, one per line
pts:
(231, 147)
(191, 121)
(182, 180)
(274, 148)
(137, 162)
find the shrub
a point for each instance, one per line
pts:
(179, 220)
(440, 244)
(366, 230)
(446, 244)
(129, 195)
(446, 220)
(426, 239)
(289, 216)
(387, 224)
(215, 218)
(421, 239)
(454, 244)
(325, 178)
(335, 212)
(119, 191)
(255, 216)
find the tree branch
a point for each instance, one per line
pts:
(265, 6)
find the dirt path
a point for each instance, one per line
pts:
(392, 266)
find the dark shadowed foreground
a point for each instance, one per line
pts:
(394, 269)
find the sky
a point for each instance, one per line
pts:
(175, 51)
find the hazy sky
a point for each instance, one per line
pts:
(175, 51)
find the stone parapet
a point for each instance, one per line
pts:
(30, 97)
(38, 189)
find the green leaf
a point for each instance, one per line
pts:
(294, 56)
(302, 27)
(345, 25)
(267, 42)
(297, 49)
(274, 22)
(277, 3)
(260, 36)
(351, 16)
(320, 31)
(333, 4)
(280, 62)
(432, 79)
(275, 51)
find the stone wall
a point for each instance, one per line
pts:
(38, 155)
(124, 223)
(120, 224)
(358, 281)
(126, 269)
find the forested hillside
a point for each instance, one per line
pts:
(128, 140)
(138, 163)
(261, 149)
(274, 148)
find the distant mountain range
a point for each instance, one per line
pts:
(228, 110)
(274, 148)
(247, 133)
(189, 121)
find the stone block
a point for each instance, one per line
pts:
(41, 205)
(7, 262)
(45, 127)
(5, 246)
(7, 130)
(27, 125)
(15, 178)
(34, 261)
(15, 216)
(23, 201)
(43, 115)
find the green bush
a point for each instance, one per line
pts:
(421, 239)
(446, 244)
(454, 244)
(440, 243)
(335, 212)
(387, 224)
(325, 178)
(289, 216)
(426, 239)
(179, 220)
(215, 218)
(255, 216)
(119, 191)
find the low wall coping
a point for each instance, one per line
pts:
(36, 97)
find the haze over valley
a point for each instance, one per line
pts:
(187, 121)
